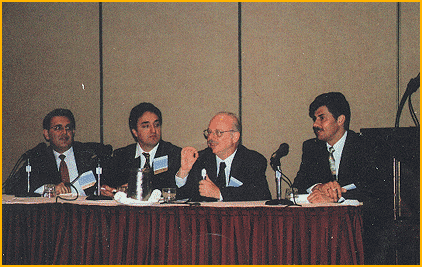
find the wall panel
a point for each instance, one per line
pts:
(49, 51)
(180, 56)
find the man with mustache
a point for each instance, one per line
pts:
(233, 172)
(145, 122)
(46, 163)
(351, 160)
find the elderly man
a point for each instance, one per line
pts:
(149, 151)
(226, 170)
(64, 163)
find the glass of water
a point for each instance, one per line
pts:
(169, 194)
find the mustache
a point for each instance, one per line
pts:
(210, 142)
(317, 129)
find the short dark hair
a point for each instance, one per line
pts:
(336, 104)
(59, 112)
(139, 110)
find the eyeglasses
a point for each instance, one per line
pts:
(218, 133)
(59, 128)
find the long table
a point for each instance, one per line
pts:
(40, 231)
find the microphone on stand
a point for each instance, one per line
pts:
(102, 153)
(282, 151)
(26, 156)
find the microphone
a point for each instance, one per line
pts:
(99, 152)
(282, 151)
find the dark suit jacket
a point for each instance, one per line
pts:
(248, 166)
(356, 166)
(124, 162)
(44, 168)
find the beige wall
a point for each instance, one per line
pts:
(183, 57)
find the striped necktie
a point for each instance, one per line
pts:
(332, 162)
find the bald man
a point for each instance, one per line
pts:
(226, 170)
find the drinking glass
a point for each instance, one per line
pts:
(169, 194)
(49, 190)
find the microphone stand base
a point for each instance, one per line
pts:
(275, 202)
(94, 197)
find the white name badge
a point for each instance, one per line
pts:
(234, 182)
(161, 164)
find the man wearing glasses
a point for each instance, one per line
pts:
(63, 163)
(226, 170)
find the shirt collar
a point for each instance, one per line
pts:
(139, 151)
(340, 143)
(228, 160)
(66, 153)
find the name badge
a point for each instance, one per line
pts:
(161, 164)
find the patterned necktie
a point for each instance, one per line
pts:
(64, 172)
(147, 167)
(146, 177)
(221, 178)
(332, 162)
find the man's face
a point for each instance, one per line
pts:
(61, 133)
(148, 131)
(326, 127)
(225, 145)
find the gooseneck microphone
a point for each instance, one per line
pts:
(12, 179)
(282, 151)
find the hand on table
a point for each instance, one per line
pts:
(62, 189)
(108, 191)
(328, 192)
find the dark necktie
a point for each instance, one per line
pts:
(147, 167)
(146, 177)
(64, 172)
(221, 178)
(332, 162)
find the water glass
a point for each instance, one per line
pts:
(49, 190)
(169, 194)
(291, 193)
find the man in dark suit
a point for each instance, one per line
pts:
(352, 158)
(80, 159)
(354, 164)
(233, 172)
(145, 122)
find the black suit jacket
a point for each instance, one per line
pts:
(356, 166)
(44, 168)
(124, 163)
(248, 166)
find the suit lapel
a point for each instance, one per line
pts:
(51, 164)
(236, 167)
(211, 167)
(345, 157)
